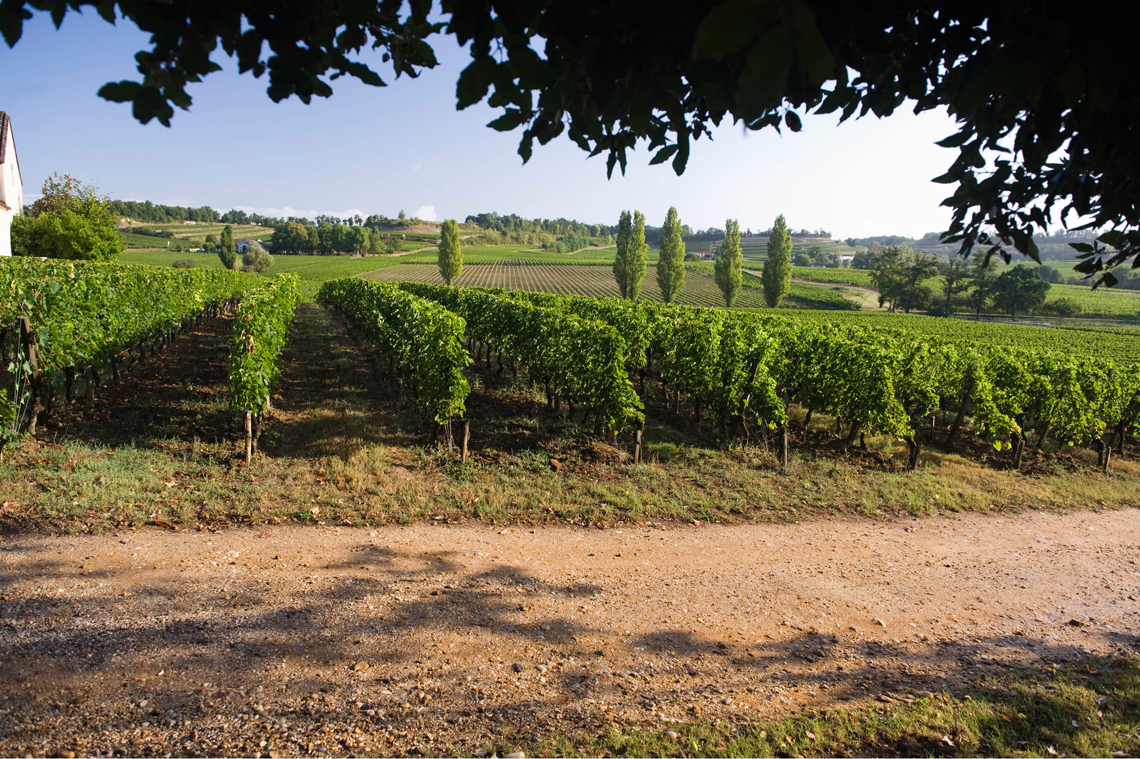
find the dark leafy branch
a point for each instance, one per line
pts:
(1042, 91)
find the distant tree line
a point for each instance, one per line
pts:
(906, 280)
(144, 210)
(511, 223)
(327, 238)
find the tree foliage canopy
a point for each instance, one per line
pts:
(69, 221)
(671, 263)
(776, 277)
(900, 273)
(630, 259)
(729, 259)
(450, 254)
(256, 259)
(227, 251)
(1041, 89)
(1020, 290)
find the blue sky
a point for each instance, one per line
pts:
(380, 150)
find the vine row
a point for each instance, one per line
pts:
(261, 330)
(422, 339)
(66, 320)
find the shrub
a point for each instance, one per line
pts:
(256, 259)
(1063, 307)
(183, 263)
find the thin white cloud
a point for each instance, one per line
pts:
(427, 213)
(287, 211)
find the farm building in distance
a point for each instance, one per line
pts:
(242, 245)
(11, 185)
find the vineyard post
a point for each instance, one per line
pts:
(1107, 457)
(1017, 449)
(248, 438)
(783, 446)
(637, 446)
(92, 381)
(915, 449)
(466, 438)
(27, 342)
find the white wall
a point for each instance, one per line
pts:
(11, 193)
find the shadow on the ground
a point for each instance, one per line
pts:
(240, 635)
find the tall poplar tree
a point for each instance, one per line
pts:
(729, 259)
(450, 254)
(631, 258)
(228, 252)
(671, 266)
(777, 274)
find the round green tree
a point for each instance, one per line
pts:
(69, 221)
(1020, 290)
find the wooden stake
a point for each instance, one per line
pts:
(637, 446)
(783, 447)
(248, 438)
(466, 438)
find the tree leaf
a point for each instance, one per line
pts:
(510, 119)
(793, 121)
(120, 92)
(765, 74)
(663, 155)
(729, 27)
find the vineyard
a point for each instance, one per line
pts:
(1117, 344)
(520, 256)
(65, 324)
(739, 365)
(598, 281)
(592, 374)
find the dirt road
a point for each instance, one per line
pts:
(339, 641)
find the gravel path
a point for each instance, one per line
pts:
(339, 641)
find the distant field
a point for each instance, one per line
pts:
(201, 230)
(312, 270)
(857, 277)
(132, 241)
(1100, 302)
(754, 251)
(517, 254)
(1120, 343)
(598, 281)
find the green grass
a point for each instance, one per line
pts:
(312, 270)
(1071, 710)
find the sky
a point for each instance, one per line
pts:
(405, 147)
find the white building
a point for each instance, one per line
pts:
(243, 245)
(11, 185)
